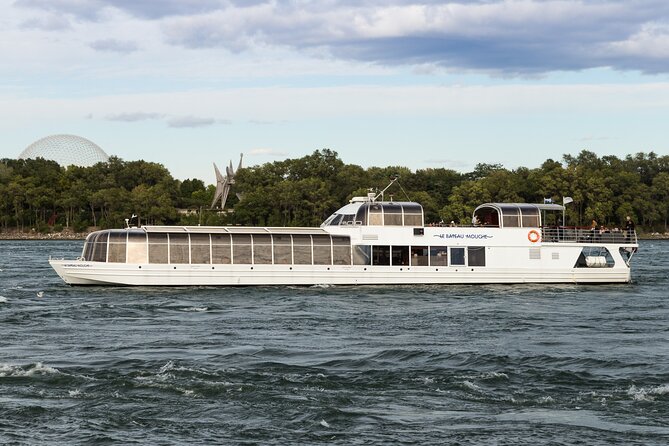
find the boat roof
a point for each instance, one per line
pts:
(539, 206)
(232, 230)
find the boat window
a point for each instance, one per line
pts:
(419, 256)
(241, 249)
(137, 247)
(476, 255)
(510, 217)
(457, 256)
(99, 247)
(220, 249)
(413, 214)
(487, 216)
(262, 249)
(530, 216)
(375, 215)
(380, 255)
(400, 255)
(157, 248)
(199, 249)
(348, 219)
(117, 247)
(88, 246)
(362, 255)
(439, 256)
(392, 214)
(322, 250)
(178, 248)
(283, 249)
(336, 220)
(341, 250)
(361, 215)
(302, 249)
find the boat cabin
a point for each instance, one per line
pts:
(512, 215)
(364, 212)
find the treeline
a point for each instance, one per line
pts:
(41, 195)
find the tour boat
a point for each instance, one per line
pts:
(366, 242)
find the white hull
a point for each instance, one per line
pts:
(92, 273)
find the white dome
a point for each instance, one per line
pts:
(66, 150)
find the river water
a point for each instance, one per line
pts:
(499, 365)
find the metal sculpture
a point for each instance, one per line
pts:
(223, 183)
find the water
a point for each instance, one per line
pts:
(498, 365)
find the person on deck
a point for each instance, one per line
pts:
(629, 227)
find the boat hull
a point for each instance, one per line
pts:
(99, 273)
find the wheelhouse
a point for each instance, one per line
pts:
(372, 213)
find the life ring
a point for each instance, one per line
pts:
(533, 236)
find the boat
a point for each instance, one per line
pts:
(368, 241)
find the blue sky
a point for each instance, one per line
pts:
(413, 83)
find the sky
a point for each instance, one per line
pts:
(422, 84)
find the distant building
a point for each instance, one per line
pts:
(66, 150)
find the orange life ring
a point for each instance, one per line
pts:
(533, 236)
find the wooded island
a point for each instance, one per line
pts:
(40, 196)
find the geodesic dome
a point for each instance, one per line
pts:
(66, 150)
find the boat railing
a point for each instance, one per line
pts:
(564, 234)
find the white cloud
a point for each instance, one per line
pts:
(190, 121)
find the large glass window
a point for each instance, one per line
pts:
(117, 247)
(375, 215)
(341, 250)
(302, 249)
(419, 256)
(241, 249)
(199, 249)
(476, 255)
(322, 250)
(99, 247)
(457, 256)
(137, 247)
(413, 215)
(510, 217)
(361, 215)
(362, 255)
(439, 256)
(221, 250)
(282, 250)
(262, 249)
(179, 248)
(392, 215)
(400, 255)
(530, 216)
(380, 255)
(157, 248)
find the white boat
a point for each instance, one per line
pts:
(366, 242)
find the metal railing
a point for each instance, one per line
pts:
(586, 235)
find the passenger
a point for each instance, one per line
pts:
(629, 227)
(452, 224)
(475, 221)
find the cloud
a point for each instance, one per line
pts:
(82, 9)
(114, 46)
(506, 36)
(48, 22)
(190, 121)
(134, 117)
(499, 37)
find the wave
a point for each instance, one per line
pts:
(9, 370)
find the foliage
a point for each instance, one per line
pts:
(41, 195)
